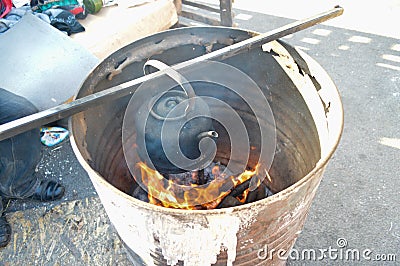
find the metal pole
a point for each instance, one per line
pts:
(226, 12)
(65, 110)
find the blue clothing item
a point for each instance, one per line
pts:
(19, 155)
(16, 14)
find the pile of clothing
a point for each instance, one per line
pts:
(62, 14)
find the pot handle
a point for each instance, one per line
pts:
(181, 80)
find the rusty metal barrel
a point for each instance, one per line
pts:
(308, 117)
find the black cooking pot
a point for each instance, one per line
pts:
(175, 123)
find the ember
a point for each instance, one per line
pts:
(208, 188)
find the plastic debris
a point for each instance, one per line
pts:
(93, 6)
(51, 136)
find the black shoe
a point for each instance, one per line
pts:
(48, 190)
(5, 232)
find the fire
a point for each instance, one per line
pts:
(167, 193)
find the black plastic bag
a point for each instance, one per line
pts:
(64, 21)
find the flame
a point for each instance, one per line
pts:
(166, 193)
(242, 198)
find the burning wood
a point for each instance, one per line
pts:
(209, 188)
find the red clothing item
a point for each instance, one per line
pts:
(5, 7)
